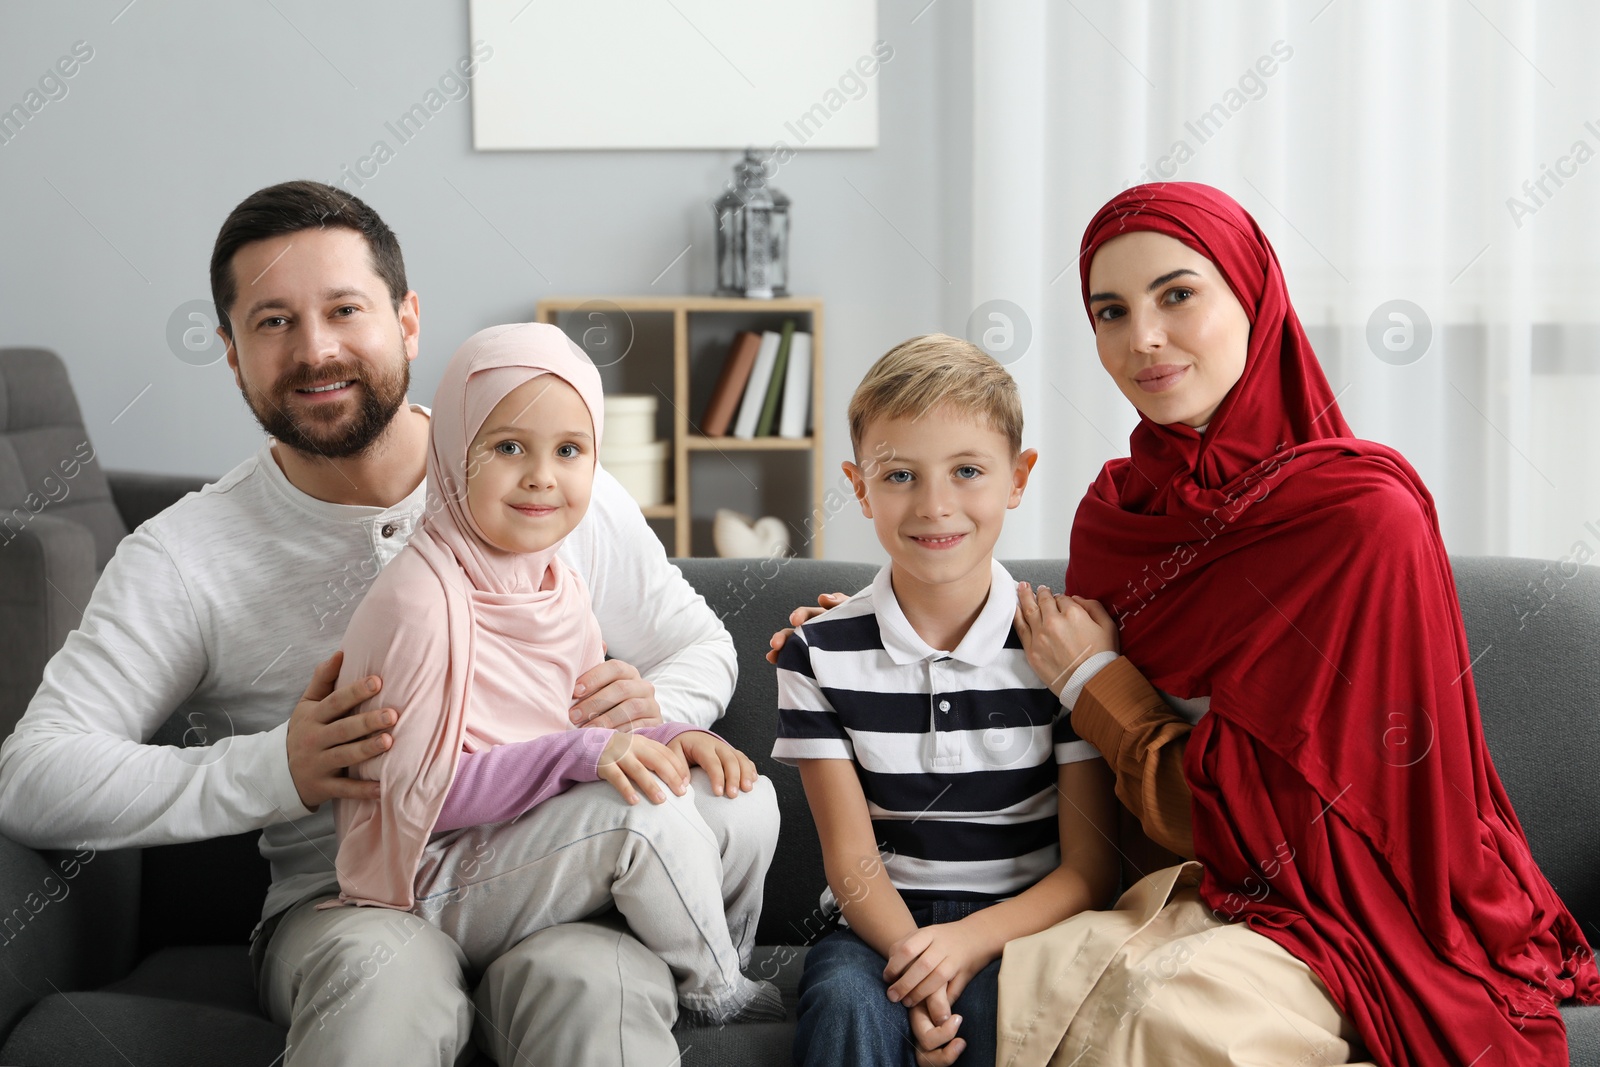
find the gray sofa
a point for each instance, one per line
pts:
(139, 957)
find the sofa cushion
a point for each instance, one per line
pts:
(218, 975)
(179, 1006)
(198, 1006)
(751, 1043)
(116, 1029)
(1532, 630)
(1583, 1035)
(47, 462)
(235, 881)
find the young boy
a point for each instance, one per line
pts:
(920, 730)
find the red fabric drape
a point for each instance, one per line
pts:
(1345, 804)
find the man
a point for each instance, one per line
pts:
(225, 604)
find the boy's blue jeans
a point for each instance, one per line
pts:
(847, 1018)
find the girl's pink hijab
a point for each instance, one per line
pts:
(476, 646)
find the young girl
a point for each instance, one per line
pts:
(490, 822)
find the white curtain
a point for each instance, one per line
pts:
(1445, 154)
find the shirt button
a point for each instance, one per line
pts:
(944, 705)
(388, 529)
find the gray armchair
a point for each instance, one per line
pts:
(61, 517)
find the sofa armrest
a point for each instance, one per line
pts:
(46, 575)
(139, 495)
(61, 926)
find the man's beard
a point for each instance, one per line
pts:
(331, 437)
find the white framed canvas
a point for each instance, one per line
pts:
(675, 74)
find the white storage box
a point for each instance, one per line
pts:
(630, 420)
(642, 469)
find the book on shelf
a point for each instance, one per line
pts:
(797, 388)
(755, 390)
(730, 384)
(768, 422)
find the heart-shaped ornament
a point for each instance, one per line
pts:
(737, 537)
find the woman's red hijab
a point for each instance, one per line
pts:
(1345, 804)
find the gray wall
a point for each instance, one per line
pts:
(112, 195)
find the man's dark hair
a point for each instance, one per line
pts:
(289, 208)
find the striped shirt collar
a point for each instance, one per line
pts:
(983, 641)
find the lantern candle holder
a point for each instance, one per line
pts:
(752, 234)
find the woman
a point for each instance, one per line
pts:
(1284, 584)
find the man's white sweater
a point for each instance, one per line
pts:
(221, 607)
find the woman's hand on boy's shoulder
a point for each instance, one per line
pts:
(731, 771)
(1060, 632)
(799, 617)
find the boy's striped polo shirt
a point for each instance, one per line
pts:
(957, 751)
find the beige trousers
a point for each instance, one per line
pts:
(371, 985)
(689, 887)
(1161, 981)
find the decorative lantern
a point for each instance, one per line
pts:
(752, 234)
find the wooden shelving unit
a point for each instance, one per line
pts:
(675, 347)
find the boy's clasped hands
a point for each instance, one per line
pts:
(929, 968)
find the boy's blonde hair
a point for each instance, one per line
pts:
(925, 372)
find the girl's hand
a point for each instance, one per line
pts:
(1060, 632)
(937, 1046)
(939, 958)
(725, 765)
(629, 759)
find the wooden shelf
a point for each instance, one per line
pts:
(699, 443)
(662, 333)
(686, 303)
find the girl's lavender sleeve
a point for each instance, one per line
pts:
(502, 782)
